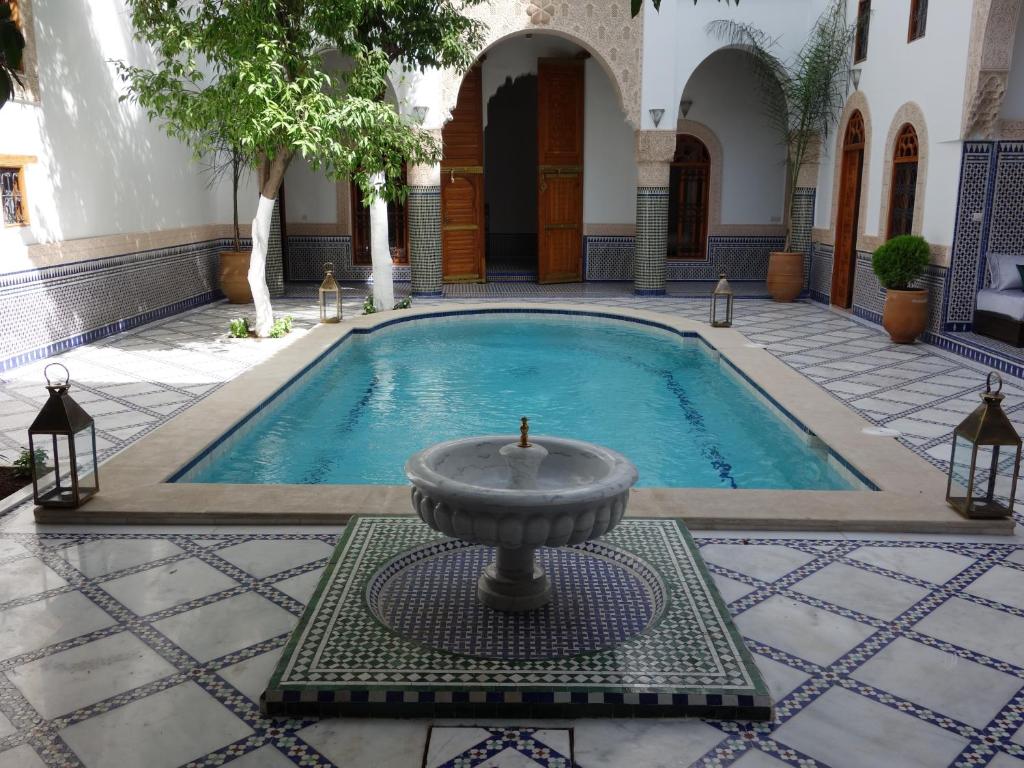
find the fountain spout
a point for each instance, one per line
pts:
(524, 459)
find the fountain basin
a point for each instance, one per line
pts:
(464, 488)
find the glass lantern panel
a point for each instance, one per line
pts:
(53, 479)
(993, 484)
(960, 468)
(85, 459)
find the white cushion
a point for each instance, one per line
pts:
(1007, 303)
(1002, 271)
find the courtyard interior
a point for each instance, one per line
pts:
(152, 645)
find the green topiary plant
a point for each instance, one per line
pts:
(901, 261)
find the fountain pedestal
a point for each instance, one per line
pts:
(514, 581)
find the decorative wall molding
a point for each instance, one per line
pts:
(654, 152)
(990, 54)
(605, 29)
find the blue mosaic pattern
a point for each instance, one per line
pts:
(307, 256)
(741, 258)
(525, 743)
(802, 224)
(690, 662)
(424, 206)
(608, 258)
(651, 241)
(48, 310)
(819, 273)
(601, 597)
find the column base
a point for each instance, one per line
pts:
(427, 294)
(648, 291)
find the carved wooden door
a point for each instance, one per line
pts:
(462, 186)
(560, 170)
(844, 261)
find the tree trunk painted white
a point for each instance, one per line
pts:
(380, 250)
(258, 267)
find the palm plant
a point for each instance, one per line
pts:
(12, 43)
(803, 95)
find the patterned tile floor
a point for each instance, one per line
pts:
(129, 647)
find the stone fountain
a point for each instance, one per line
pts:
(516, 497)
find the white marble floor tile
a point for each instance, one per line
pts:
(6, 727)
(446, 743)
(960, 688)
(845, 730)
(35, 625)
(218, 628)
(102, 556)
(25, 577)
(810, 633)
(928, 564)
(264, 757)
(21, 757)
(977, 627)
(647, 743)
(781, 678)
(164, 730)
(507, 758)
(755, 759)
(265, 557)
(1001, 584)
(301, 587)
(869, 593)
(1003, 760)
(85, 674)
(11, 548)
(167, 585)
(251, 676)
(376, 743)
(766, 562)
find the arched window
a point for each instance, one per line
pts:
(903, 191)
(689, 181)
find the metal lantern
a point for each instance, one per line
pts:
(721, 303)
(985, 462)
(330, 297)
(63, 437)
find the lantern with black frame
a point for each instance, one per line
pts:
(985, 459)
(68, 476)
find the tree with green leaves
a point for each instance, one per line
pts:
(804, 94)
(255, 69)
(12, 45)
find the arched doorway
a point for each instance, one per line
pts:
(512, 171)
(688, 196)
(848, 212)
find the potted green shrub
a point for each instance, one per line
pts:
(898, 264)
(803, 97)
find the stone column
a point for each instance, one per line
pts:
(424, 206)
(654, 151)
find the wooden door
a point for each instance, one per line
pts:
(462, 186)
(689, 185)
(845, 253)
(560, 170)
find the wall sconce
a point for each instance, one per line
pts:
(855, 77)
(684, 107)
(656, 115)
(420, 114)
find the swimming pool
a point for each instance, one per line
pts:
(664, 400)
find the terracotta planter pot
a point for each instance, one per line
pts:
(234, 276)
(906, 314)
(785, 275)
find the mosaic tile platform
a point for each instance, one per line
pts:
(341, 660)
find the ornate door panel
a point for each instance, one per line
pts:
(462, 185)
(560, 170)
(845, 253)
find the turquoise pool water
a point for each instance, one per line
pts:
(664, 401)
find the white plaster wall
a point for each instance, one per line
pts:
(726, 95)
(310, 195)
(1013, 104)
(102, 168)
(930, 71)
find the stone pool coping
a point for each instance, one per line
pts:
(910, 499)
